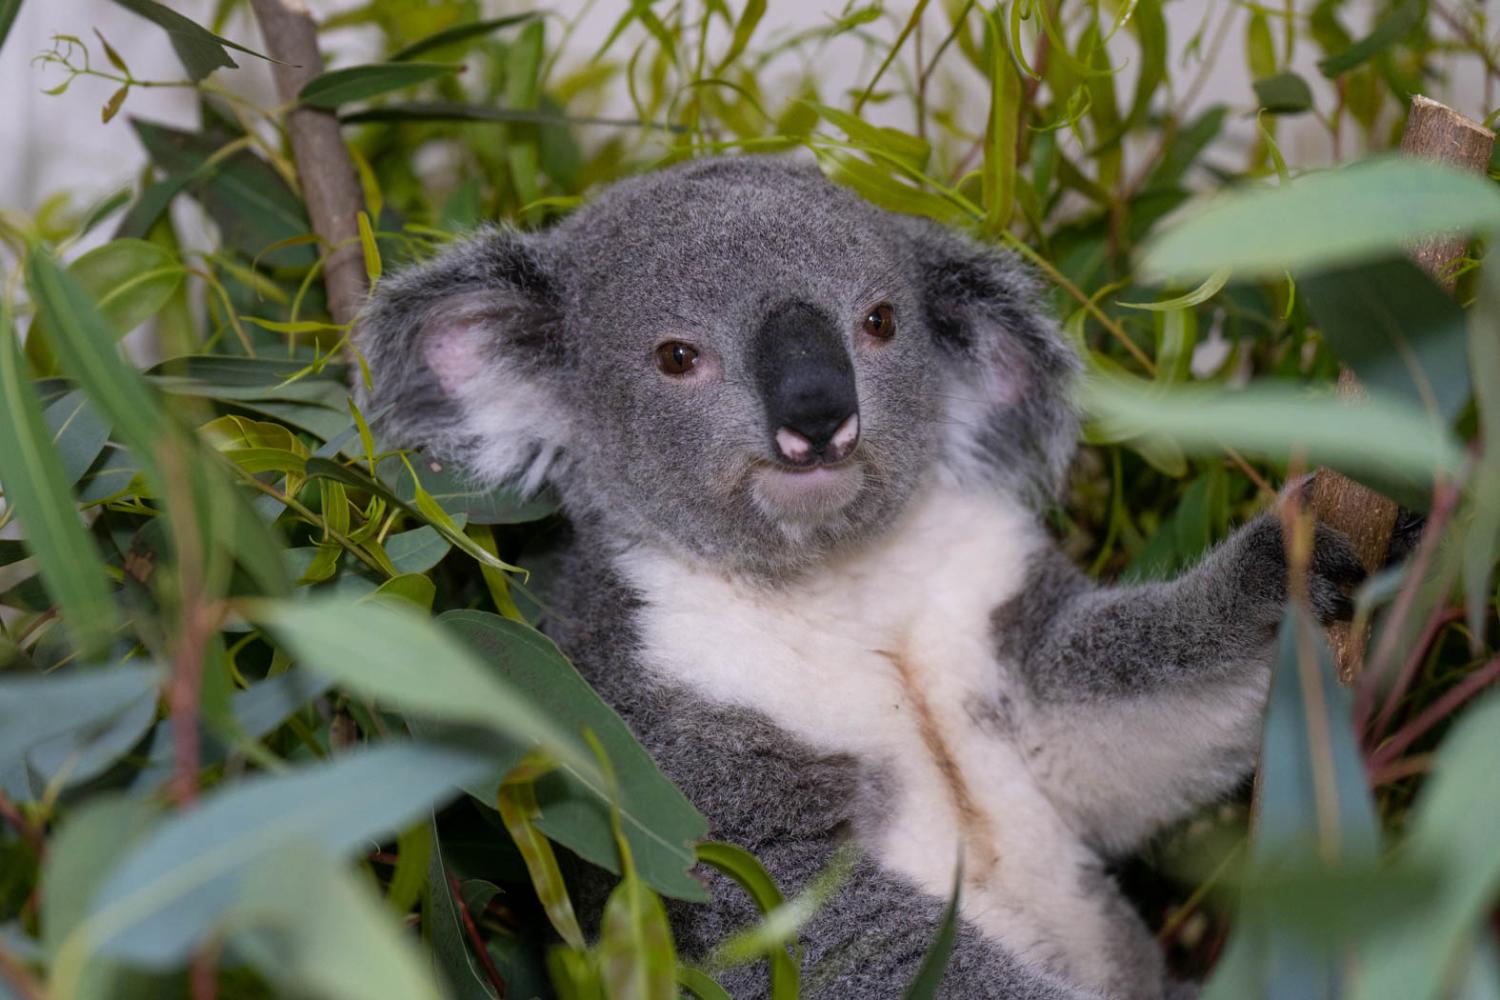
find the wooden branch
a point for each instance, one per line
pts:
(330, 186)
(1438, 133)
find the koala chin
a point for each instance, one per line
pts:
(802, 444)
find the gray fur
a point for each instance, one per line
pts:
(530, 357)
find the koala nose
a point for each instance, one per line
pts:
(831, 442)
(806, 381)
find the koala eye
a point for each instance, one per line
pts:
(676, 358)
(881, 322)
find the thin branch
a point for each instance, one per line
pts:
(1439, 710)
(329, 184)
(472, 930)
(28, 830)
(20, 978)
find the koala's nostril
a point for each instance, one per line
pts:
(844, 439)
(793, 446)
(830, 441)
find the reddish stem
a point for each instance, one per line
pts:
(477, 942)
(27, 829)
(1441, 619)
(1435, 713)
(20, 978)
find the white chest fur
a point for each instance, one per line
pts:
(888, 654)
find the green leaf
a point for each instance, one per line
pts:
(636, 957)
(130, 280)
(935, 963)
(516, 801)
(1453, 828)
(1314, 811)
(1402, 334)
(658, 821)
(80, 857)
(358, 83)
(314, 930)
(700, 984)
(1001, 128)
(82, 854)
(181, 882)
(450, 947)
(902, 146)
(78, 433)
(34, 709)
(383, 651)
(37, 488)
(1378, 440)
(1283, 94)
(749, 874)
(414, 849)
(1368, 210)
(8, 11)
(1314, 794)
(457, 33)
(1391, 29)
(246, 198)
(200, 50)
(1207, 290)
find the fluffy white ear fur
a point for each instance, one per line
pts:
(512, 430)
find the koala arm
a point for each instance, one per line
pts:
(1146, 700)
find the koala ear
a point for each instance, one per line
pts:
(1010, 412)
(463, 353)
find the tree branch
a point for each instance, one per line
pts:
(1438, 133)
(330, 186)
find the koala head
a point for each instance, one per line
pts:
(733, 358)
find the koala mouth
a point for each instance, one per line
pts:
(806, 493)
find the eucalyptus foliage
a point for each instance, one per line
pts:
(274, 717)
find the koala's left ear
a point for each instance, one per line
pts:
(464, 353)
(1010, 411)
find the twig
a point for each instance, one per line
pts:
(1440, 619)
(890, 57)
(329, 184)
(1439, 710)
(27, 829)
(20, 978)
(472, 930)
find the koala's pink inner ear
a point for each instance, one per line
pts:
(455, 347)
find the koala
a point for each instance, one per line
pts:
(803, 445)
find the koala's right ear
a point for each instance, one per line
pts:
(463, 351)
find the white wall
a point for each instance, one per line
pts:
(56, 144)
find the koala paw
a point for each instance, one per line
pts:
(1332, 572)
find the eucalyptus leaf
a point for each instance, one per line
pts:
(195, 871)
(78, 433)
(358, 83)
(658, 821)
(383, 651)
(1400, 333)
(1378, 440)
(37, 488)
(1365, 211)
(249, 201)
(312, 929)
(1283, 94)
(457, 34)
(1452, 828)
(1391, 29)
(36, 709)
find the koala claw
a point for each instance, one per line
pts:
(1335, 569)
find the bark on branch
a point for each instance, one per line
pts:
(1433, 132)
(330, 186)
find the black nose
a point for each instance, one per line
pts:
(806, 380)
